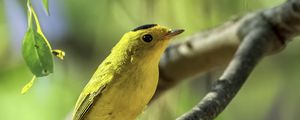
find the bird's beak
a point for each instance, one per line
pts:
(174, 32)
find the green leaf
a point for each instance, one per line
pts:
(37, 53)
(46, 6)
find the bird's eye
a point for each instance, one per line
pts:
(147, 38)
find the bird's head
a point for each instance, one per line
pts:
(147, 41)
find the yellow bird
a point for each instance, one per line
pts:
(126, 80)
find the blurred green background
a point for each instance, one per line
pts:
(87, 30)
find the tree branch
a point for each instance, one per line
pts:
(249, 39)
(249, 53)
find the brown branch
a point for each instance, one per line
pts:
(259, 34)
(249, 53)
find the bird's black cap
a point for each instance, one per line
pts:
(144, 27)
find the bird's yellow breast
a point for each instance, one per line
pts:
(125, 97)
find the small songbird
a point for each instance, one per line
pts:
(126, 80)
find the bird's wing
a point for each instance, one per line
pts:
(85, 102)
(92, 91)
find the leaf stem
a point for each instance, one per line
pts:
(28, 85)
